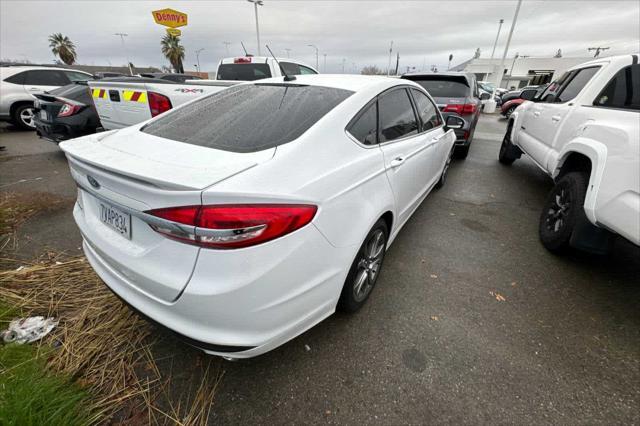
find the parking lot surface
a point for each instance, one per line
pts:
(472, 320)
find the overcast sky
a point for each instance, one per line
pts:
(424, 32)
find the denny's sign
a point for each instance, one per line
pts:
(170, 18)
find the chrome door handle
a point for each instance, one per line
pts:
(396, 162)
(536, 113)
(556, 118)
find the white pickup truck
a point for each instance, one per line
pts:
(124, 102)
(584, 132)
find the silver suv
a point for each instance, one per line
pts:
(18, 84)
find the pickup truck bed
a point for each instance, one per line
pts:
(123, 102)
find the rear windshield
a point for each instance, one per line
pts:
(74, 92)
(452, 87)
(243, 72)
(248, 118)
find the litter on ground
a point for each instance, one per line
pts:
(27, 330)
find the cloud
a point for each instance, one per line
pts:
(424, 33)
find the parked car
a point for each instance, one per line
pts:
(65, 113)
(244, 218)
(456, 94)
(251, 68)
(19, 84)
(175, 77)
(507, 108)
(586, 136)
(489, 87)
(515, 94)
(124, 102)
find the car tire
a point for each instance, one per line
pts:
(461, 152)
(443, 176)
(509, 111)
(365, 269)
(23, 117)
(562, 211)
(508, 152)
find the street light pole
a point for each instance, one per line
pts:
(122, 36)
(344, 60)
(389, 66)
(257, 3)
(226, 44)
(288, 50)
(325, 63)
(498, 78)
(495, 43)
(198, 57)
(315, 47)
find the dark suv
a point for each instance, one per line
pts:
(456, 94)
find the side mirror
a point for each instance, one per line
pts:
(550, 98)
(485, 96)
(454, 122)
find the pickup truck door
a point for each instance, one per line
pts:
(543, 121)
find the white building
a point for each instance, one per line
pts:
(520, 71)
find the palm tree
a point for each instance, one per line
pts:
(63, 47)
(173, 51)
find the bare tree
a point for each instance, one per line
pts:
(372, 70)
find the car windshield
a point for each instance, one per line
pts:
(243, 72)
(444, 87)
(249, 118)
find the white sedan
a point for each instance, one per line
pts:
(244, 218)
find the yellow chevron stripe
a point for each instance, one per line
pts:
(96, 93)
(127, 94)
(143, 97)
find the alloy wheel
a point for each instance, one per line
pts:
(26, 116)
(369, 265)
(558, 211)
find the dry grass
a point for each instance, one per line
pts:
(15, 209)
(104, 345)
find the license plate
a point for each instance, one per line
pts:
(43, 114)
(116, 219)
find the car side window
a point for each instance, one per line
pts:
(306, 70)
(45, 78)
(527, 95)
(365, 126)
(77, 76)
(290, 68)
(396, 116)
(427, 111)
(623, 91)
(576, 84)
(16, 78)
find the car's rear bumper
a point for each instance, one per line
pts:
(242, 303)
(58, 132)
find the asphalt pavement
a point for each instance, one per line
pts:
(472, 320)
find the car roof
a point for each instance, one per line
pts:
(622, 59)
(353, 82)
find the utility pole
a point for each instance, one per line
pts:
(450, 59)
(495, 43)
(344, 60)
(498, 77)
(288, 50)
(198, 57)
(315, 47)
(226, 44)
(325, 63)
(389, 66)
(598, 50)
(122, 36)
(257, 3)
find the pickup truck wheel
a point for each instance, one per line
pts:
(23, 117)
(365, 269)
(508, 152)
(563, 209)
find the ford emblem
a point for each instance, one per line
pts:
(93, 182)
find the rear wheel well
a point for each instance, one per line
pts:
(575, 162)
(388, 219)
(16, 104)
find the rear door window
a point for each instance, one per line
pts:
(77, 76)
(427, 111)
(248, 118)
(365, 126)
(576, 84)
(16, 78)
(396, 116)
(623, 91)
(243, 72)
(45, 78)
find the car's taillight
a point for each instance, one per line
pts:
(462, 109)
(232, 226)
(69, 109)
(158, 103)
